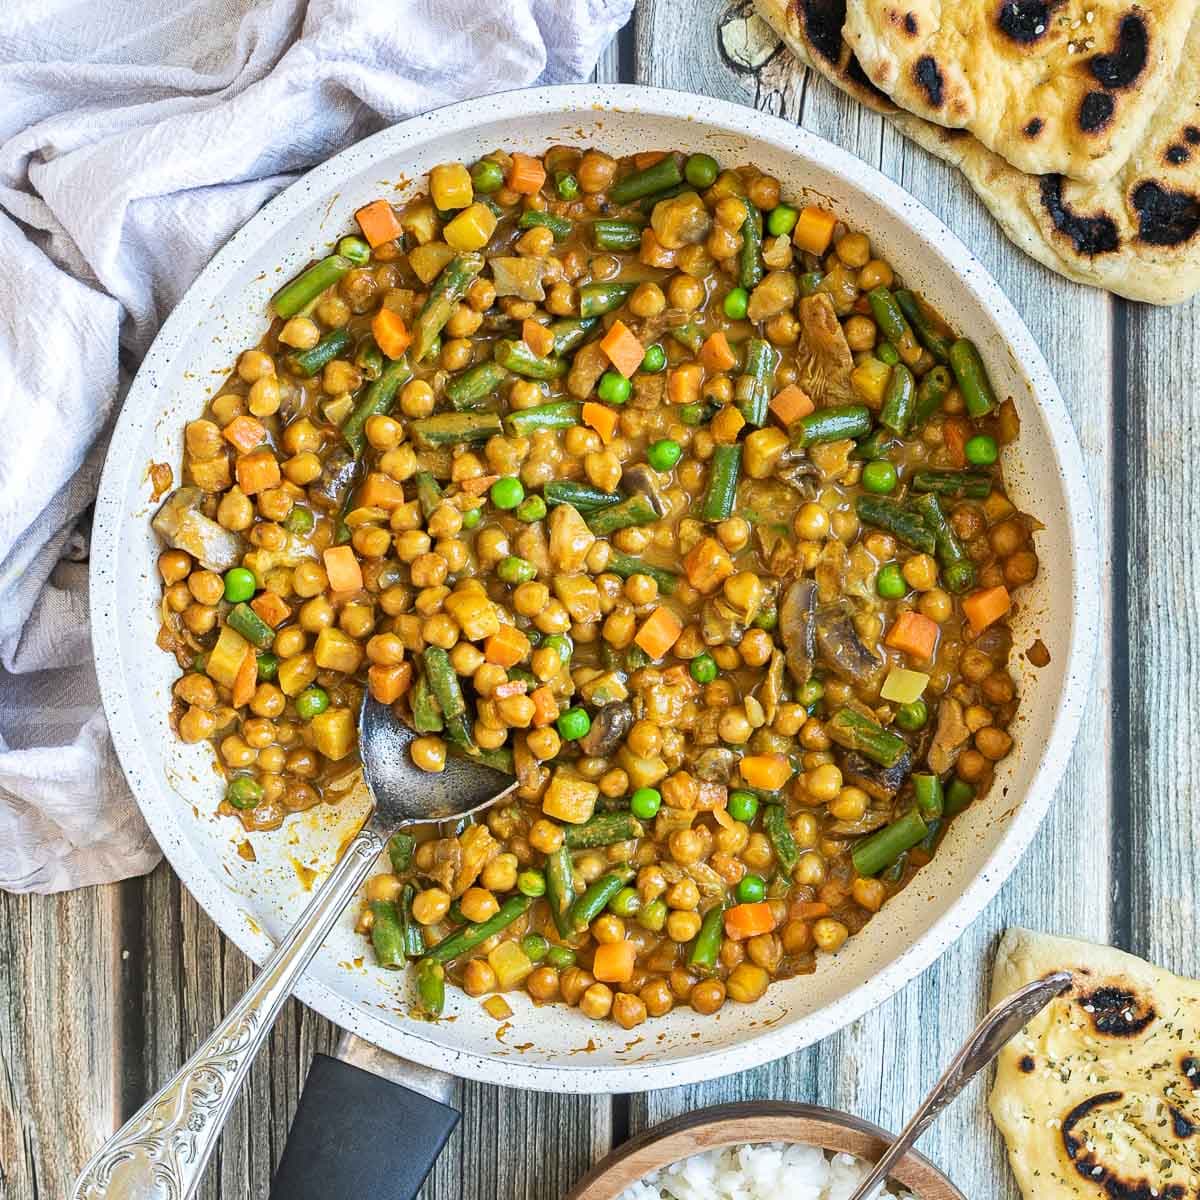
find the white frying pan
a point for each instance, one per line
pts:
(556, 1048)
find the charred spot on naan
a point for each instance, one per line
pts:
(1034, 127)
(1116, 1011)
(1096, 111)
(855, 73)
(822, 21)
(1165, 218)
(1177, 155)
(1191, 134)
(1089, 235)
(1026, 21)
(910, 24)
(1190, 1066)
(1027, 1064)
(1124, 66)
(929, 79)
(1180, 1125)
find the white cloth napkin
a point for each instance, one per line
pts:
(135, 139)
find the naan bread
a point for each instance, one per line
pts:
(1138, 235)
(1099, 1096)
(1052, 86)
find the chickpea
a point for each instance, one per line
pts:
(920, 572)
(608, 929)
(429, 754)
(628, 1010)
(683, 895)
(757, 853)
(384, 887)
(371, 541)
(225, 408)
(790, 718)
(647, 300)
(975, 665)
(542, 985)
(685, 293)
(254, 364)
(481, 294)
(561, 300)
(824, 783)
(430, 905)
(998, 688)
(1020, 568)
(796, 937)
(597, 1001)
(478, 904)
(993, 743)
(258, 732)
(596, 172)
(810, 871)
(1007, 537)
(457, 353)
(333, 312)
(747, 982)
(860, 333)
(573, 983)
(812, 522)
(200, 618)
(875, 274)
(268, 701)
(579, 440)
(937, 605)
(603, 468)
(207, 587)
(656, 996)
(734, 533)
(869, 893)
(829, 935)
(683, 925)
(850, 804)
(517, 711)
(196, 689)
(464, 321)
(707, 996)
(972, 766)
(196, 724)
(478, 977)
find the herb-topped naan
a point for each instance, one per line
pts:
(1099, 1096)
(1066, 87)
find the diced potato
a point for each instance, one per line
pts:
(903, 686)
(475, 614)
(333, 732)
(226, 656)
(478, 849)
(472, 228)
(427, 261)
(681, 221)
(870, 379)
(579, 595)
(520, 277)
(511, 965)
(497, 1007)
(642, 772)
(570, 538)
(337, 651)
(296, 673)
(211, 475)
(450, 186)
(604, 689)
(570, 798)
(762, 451)
(776, 293)
(419, 221)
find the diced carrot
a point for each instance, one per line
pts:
(808, 910)
(545, 707)
(814, 229)
(727, 424)
(271, 608)
(716, 354)
(380, 491)
(378, 222)
(915, 634)
(624, 351)
(257, 472)
(659, 632)
(684, 383)
(388, 684)
(526, 174)
(506, 647)
(342, 569)
(390, 332)
(767, 771)
(744, 921)
(613, 962)
(791, 403)
(511, 687)
(478, 485)
(601, 418)
(707, 565)
(648, 158)
(985, 607)
(245, 433)
(955, 432)
(537, 337)
(653, 252)
(246, 679)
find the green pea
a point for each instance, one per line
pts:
(311, 703)
(471, 518)
(573, 724)
(703, 668)
(355, 249)
(767, 618)
(515, 570)
(645, 803)
(614, 388)
(782, 220)
(531, 882)
(887, 353)
(244, 792)
(913, 717)
(880, 476)
(691, 414)
(653, 916)
(811, 693)
(981, 450)
(240, 584)
(664, 454)
(751, 889)
(507, 492)
(268, 665)
(655, 359)
(300, 520)
(889, 583)
(561, 645)
(532, 508)
(487, 176)
(743, 806)
(535, 946)
(560, 957)
(626, 903)
(736, 304)
(701, 170)
(566, 185)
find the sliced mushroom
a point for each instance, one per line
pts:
(772, 688)
(882, 783)
(185, 527)
(719, 625)
(797, 625)
(589, 363)
(870, 821)
(642, 479)
(609, 727)
(715, 765)
(337, 476)
(800, 473)
(840, 648)
(570, 538)
(823, 356)
(949, 738)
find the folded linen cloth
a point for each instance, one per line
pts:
(134, 140)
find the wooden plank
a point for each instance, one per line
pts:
(872, 1068)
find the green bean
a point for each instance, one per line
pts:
(532, 218)
(401, 848)
(517, 357)
(443, 679)
(937, 343)
(929, 841)
(750, 262)
(450, 428)
(609, 234)
(448, 289)
(882, 848)
(596, 299)
(426, 715)
(753, 390)
(387, 935)
(972, 378)
(935, 385)
(560, 414)
(560, 889)
(429, 493)
(973, 484)
(414, 939)
(690, 336)
(309, 284)
(899, 400)
(893, 325)
(470, 937)
(725, 466)
(894, 518)
(637, 510)
(876, 445)
(958, 571)
(500, 759)
(887, 353)
(475, 384)
(626, 565)
(581, 496)
(595, 900)
(706, 947)
(647, 204)
(309, 362)
(856, 732)
(959, 795)
(602, 830)
(775, 824)
(831, 425)
(928, 792)
(431, 986)
(368, 358)
(244, 620)
(570, 332)
(810, 283)
(377, 401)
(663, 174)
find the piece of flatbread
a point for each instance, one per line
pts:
(1137, 235)
(1099, 1095)
(1054, 86)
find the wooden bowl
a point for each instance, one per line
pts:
(758, 1121)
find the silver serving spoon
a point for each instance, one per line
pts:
(163, 1148)
(990, 1036)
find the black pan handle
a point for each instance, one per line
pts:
(357, 1135)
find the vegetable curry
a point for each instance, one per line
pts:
(650, 486)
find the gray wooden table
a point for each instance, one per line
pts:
(104, 992)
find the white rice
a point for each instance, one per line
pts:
(764, 1171)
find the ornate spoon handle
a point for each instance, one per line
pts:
(161, 1151)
